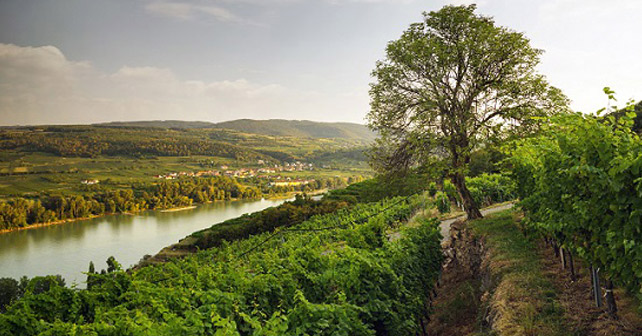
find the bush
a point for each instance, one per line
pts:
(442, 202)
(9, 291)
(432, 189)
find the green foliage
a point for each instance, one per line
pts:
(450, 190)
(485, 161)
(442, 202)
(447, 85)
(22, 212)
(580, 184)
(88, 141)
(381, 187)
(637, 120)
(486, 189)
(492, 188)
(432, 189)
(330, 275)
(9, 291)
(284, 215)
(300, 128)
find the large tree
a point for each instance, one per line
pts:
(447, 85)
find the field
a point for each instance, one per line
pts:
(57, 159)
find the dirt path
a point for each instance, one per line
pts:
(445, 224)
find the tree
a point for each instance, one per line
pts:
(449, 83)
(112, 265)
(90, 275)
(9, 291)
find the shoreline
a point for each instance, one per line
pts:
(40, 225)
(179, 209)
(70, 220)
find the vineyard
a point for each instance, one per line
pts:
(581, 190)
(345, 273)
(490, 206)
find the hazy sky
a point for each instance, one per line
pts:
(79, 61)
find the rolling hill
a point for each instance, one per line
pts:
(274, 127)
(301, 128)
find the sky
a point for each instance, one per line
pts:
(78, 61)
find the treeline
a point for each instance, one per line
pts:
(580, 183)
(12, 289)
(337, 274)
(87, 141)
(21, 212)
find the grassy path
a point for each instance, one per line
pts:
(501, 282)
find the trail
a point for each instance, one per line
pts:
(445, 224)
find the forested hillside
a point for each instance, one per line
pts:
(278, 127)
(301, 128)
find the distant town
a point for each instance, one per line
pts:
(243, 173)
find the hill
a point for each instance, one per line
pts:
(180, 124)
(301, 128)
(274, 127)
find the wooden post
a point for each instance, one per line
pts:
(572, 266)
(563, 257)
(610, 299)
(424, 332)
(597, 291)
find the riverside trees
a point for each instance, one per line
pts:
(447, 85)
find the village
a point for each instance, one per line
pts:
(245, 173)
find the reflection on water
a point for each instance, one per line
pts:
(67, 249)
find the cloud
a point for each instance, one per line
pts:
(39, 85)
(27, 70)
(190, 11)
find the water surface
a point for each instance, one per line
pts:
(66, 249)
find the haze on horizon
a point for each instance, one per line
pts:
(76, 62)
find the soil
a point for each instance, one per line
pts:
(460, 304)
(580, 310)
(457, 303)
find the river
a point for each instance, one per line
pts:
(67, 249)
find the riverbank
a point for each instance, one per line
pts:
(40, 225)
(235, 229)
(70, 220)
(179, 209)
(68, 249)
(294, 193)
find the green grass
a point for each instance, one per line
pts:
(524, 300)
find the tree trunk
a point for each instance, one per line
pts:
(472, 209)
